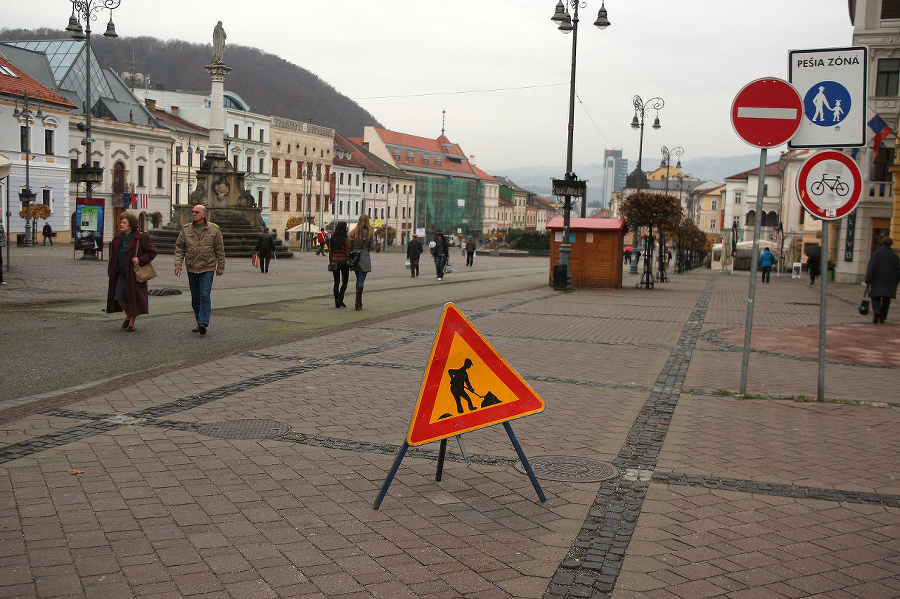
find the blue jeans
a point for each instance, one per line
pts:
(439, 262)
(201, 286)
(360, 279)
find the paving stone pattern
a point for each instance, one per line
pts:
(117, 492)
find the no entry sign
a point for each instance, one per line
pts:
(829, 185)
(767, 112)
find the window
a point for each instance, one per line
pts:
(234, 162)
(48, 142)
(287, 202)
(274, 201)
(177, 157)
(119, 177)
(262, 138)
(159, 177)
(45, 196)
(737, 197)
(890, 9)
(140, 181)
(237, 131)
(887, 77)
(342, 179)
(382, 214)
(389, 212)
(357, 179)
(23, 139)
(714, 205)
(261, 165)
(274, 167)
(73, 164)
(318, 199)
(178, 193)
(249, 164)
(287, 168)
(249, 132)
(370, 188)
(318, 171)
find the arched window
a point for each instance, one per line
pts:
(119, 177)
(751, 218)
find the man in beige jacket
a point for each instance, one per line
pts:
(202, 251)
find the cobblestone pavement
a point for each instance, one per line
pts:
(134, 490)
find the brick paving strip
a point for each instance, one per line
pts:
(595, 560)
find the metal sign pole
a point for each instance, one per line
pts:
(823, 304)
(760, 187)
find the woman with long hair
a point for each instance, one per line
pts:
(338, 252)
(362, 240)
(127, 249)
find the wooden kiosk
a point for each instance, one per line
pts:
(597, 250)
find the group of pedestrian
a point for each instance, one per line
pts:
(348, 251)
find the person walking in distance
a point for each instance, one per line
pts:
(338, 253)
(265, 247)
(766, 260)
(470, 250)
(414, 251)
(127, 249)
(48, 233)
(201, 249)
(882, 276)
(321, 238)
(362, 240)
(441, 255)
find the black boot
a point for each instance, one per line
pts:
(359, 291)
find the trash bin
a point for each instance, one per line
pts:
(559, 276)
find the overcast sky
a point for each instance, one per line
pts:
(500, 68)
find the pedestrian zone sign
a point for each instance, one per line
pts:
(467, 384)
(832, 84)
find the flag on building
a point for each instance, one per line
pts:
(127, 198)
(141, 201)
(881, 131)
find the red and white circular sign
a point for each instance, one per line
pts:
(829, 185)
(767, 112)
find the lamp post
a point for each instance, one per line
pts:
(26, 195)
(641, 109)
(667, 160)
(87, 9)
(571, 186)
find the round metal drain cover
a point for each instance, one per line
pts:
(245, 429)
(570, 469)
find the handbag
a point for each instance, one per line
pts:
(144, 273)
(254, 260)
(448, 268)
(353, 260)
(332, 266)
(864, 304)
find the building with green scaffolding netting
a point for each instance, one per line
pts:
(449, 194)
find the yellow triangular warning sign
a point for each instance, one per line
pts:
(467, 384)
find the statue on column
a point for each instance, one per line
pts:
(218, 52)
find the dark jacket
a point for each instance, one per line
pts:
(265, 245)
(441, 248)
(138, 302)
(414, 249)
(883, 273)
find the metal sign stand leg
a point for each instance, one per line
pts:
(391, 474)
(525, 463)
(440, 464)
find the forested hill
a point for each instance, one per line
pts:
(269, 84)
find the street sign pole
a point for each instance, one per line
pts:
(748, 327)
(765, 113)
(823, 304)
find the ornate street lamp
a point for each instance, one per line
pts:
(571, 186)
(641, 109)
(86, 10)
(191, 140)
(667, 160)
(26, 195)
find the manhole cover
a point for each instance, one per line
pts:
(568, 469)
(245, 429)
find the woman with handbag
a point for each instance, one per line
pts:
(130, 248)
(338, 253)
(362, 241)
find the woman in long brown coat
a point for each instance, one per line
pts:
(125, 293)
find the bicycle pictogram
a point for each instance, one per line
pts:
(833, 183)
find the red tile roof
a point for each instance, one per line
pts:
(14, 86)
(483, 175)
(423, 154)
(170, 120)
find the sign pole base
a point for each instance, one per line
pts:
(391, 474)
(525, 463)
